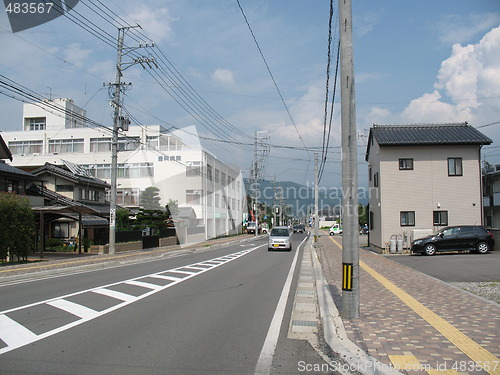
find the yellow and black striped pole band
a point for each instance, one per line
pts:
(346, 276)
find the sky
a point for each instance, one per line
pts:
(431, 61)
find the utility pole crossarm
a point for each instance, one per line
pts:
(119, 122)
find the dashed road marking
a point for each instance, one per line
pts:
(14, 335)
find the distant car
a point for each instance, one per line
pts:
(335, 229)
(280, 238)
(457, 238)
(299, 228)
(251, 227)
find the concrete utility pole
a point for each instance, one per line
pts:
(350, 232)
(316, 198)
(119, 122)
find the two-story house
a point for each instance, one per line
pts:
(76, 200)
(422, 178)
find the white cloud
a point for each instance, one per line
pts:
(76, 55)
(223, 76)
(470, 77)
(460, 29)
(155, 20)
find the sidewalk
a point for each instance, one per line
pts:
(412, 321)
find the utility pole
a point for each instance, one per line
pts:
(350, 233)
(119, 122)
(316, 199)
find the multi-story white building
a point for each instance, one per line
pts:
(148, 156)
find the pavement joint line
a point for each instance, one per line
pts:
(468, 346)
(334, 332)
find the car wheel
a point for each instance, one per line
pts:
(290, 249)
(269, 249)
(482, 247)
(430, 249)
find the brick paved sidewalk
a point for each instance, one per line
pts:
(411, 320)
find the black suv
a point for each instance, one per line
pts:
(462, 237)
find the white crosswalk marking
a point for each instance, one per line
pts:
(114, 294)
(13, 333)
(144, 284)
(166, 277)
(74, 308)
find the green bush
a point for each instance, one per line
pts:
(17, 226)
(52, 243)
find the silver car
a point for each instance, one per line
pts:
(280, 238)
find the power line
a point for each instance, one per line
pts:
(271, 74)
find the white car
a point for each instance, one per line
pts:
(335, 229)
(280, 238)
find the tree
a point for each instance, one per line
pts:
(17, 227)
(153, 220)
(362, 215)
(123, 221)
(150, 199)
(172, 208)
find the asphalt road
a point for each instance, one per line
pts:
(455, 267)
(160, 317)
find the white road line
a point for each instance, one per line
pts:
(166, 277)
(13, 333)
(114, 294)
(74, 308)
(184, 272)
(265, 360)
(143, 284)
(196, 268)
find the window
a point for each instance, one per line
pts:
(60, 230)
(375, 180)
(61, 146)
(100, 144)
(440, 218)
(193, 168)
(25, 147)
(193, 197)
(405, 164)
(135, 170)
(209, 172)
(36, 123)
(128, 143)
(407, 218)
(455, 167)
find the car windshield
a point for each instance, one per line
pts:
(283, 232)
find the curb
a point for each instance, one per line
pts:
(355, 359)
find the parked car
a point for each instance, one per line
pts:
(251, 227)
(280, 238)
(335, 229)
(457, 238)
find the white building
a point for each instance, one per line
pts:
(148, 156)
